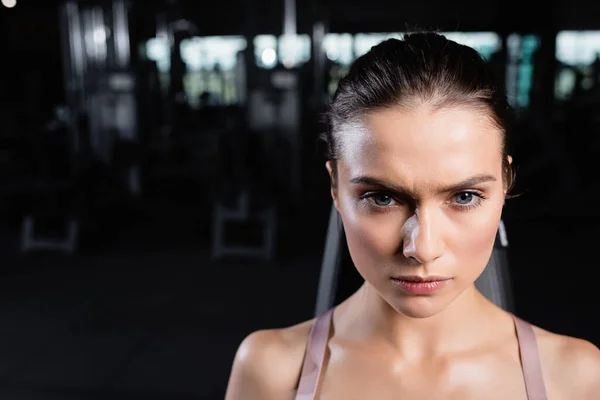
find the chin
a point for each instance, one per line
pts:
(419, 306)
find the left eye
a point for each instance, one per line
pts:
(464, 198)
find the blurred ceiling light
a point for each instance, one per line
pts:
(9, 3)
(100, 35)
(269, 57)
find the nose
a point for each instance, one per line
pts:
(420, 240)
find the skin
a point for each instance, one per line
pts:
(445, 169)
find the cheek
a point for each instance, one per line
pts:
(370, 237)
(476, 239)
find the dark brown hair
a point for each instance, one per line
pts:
(421, 68)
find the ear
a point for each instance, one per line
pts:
(332, 183)
(510, 160)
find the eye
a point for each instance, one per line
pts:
(464, 198)
(467, 200)
(382, 200)
(378, 201)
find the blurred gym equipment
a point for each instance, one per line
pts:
(331, 264)
(260, 185)
(245, 196)
(98, 126)
(241, 213)
(100, 84)
(50, 199)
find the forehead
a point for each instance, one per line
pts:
(423, 145)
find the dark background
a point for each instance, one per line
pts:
(134, 136)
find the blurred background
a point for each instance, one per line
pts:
(162, 194)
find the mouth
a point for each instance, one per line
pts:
(416, 278)
(420, 285)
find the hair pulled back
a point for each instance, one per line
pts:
(423, 68)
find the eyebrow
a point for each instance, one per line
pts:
(389, 187)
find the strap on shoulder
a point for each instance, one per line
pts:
(530, 360)
(316, 347)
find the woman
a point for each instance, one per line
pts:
(419, 173)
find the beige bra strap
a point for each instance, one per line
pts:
(530, 361)
(316, 347)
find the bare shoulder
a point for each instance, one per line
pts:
(267, 364)
(571, 365)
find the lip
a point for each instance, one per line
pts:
(420, 285)
(417, 278)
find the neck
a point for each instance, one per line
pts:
(459, 326)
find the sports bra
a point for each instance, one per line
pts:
(316, 347)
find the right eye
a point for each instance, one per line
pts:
(380, 199)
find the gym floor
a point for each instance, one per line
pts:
(142, 321)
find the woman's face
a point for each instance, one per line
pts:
(420, 193)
